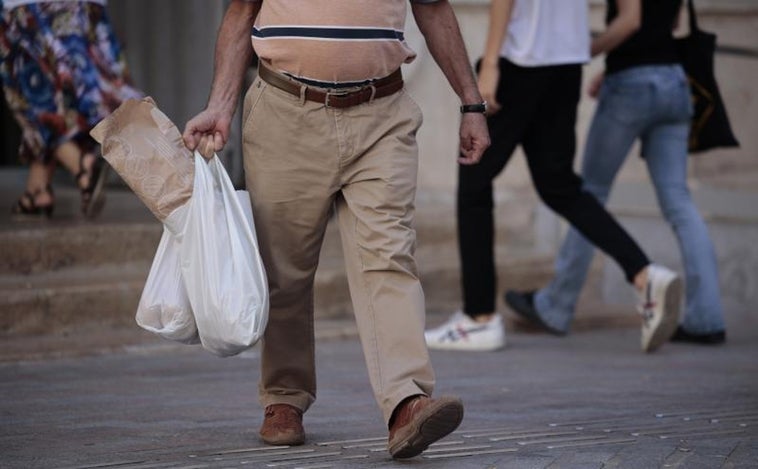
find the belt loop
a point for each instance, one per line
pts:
(303, 88)
(373, 93)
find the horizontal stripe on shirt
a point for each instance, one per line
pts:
(327, 33)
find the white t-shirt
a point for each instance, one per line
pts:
(548, 32)
(8, 4)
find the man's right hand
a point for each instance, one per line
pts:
(207, 132)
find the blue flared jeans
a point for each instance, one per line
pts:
(651, 103)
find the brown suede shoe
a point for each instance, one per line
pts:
(283, 425)
(419, 421)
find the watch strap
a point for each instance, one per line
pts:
(479, 108)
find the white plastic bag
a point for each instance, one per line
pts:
(221, 267)
(164, 307)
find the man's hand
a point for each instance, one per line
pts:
(436, 21)
(207, 132)
(475, 138)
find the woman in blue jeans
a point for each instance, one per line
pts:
(644, 94)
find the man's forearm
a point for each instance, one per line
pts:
(234, 51)
(443, 38)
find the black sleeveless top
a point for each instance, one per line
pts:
(653, 43)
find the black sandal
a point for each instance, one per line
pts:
(26, 207)
(93, 196)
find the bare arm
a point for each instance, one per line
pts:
(623, 25)
(209, 130)
(489, 69)
(439, 26)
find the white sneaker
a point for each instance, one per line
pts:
(659, 306)
(460, 332)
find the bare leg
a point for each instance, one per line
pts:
(37, 183)
(70, 156)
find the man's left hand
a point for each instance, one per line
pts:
(475, 138)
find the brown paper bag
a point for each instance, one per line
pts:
(146, 149)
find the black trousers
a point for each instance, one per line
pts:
(539, 112)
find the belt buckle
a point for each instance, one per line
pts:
(342, 94)
(337, 93)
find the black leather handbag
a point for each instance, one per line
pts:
(710, 125)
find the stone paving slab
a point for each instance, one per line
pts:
(587, 400)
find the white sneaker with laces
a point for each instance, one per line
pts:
(460, 332)
(659, 306)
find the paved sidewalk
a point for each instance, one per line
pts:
(587, 400)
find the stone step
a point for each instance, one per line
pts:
(127, 232)
(57, 247)
(107, 295)
(57, 302)
(64, 274)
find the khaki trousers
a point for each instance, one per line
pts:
(301, 159)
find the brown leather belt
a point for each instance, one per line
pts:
(337, 99)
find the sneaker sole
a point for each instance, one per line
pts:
(670, 320)
(433, 423)
(465, 347)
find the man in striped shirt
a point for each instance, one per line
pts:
(328, 123)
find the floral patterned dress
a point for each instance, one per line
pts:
(62, 71)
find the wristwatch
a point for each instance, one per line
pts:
(480, 108)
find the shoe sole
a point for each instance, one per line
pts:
(436, 421)
(715, 338)
(288, 441)
(473, 346)
(670, 320)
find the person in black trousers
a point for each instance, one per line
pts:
(531, 75)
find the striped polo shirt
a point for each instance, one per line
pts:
(333, 42)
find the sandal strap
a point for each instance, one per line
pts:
(28, 197)
(27, 204)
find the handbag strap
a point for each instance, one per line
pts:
(692, 15)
